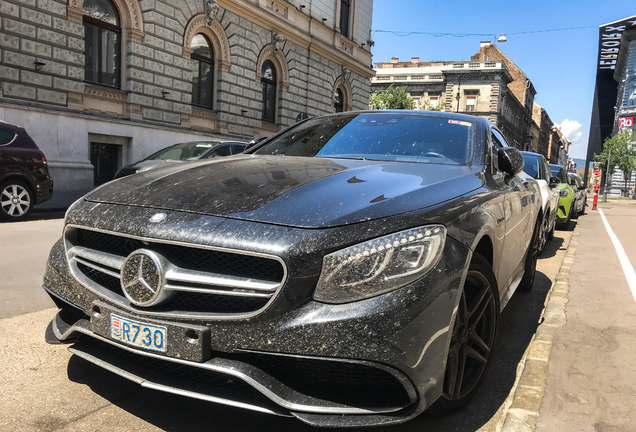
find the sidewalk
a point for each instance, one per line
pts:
(591, 374)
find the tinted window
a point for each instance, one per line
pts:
(532, 167)
(379, 136)
(183, 151)
(237, 149)
(559, 171)
(221, 151)
(6, 136)
(546, 168)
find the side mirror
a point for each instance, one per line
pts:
(510, 161)
(554, 182)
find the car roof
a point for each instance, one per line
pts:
(528, 153)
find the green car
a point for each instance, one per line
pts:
(566, 196)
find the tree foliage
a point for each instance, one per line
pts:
(620, 151)
(391, 98)
(426, 106)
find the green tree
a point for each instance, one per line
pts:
(426, 106)
(620, 151)
(391, 98)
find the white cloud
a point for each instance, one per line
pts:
(572, 131)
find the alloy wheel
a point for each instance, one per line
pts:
(473, 337)
(15, 200)
(543, 235)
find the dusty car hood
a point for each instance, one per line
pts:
(293, 191)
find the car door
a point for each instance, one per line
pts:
(518, 197)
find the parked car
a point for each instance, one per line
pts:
(181, 152)
(348, 271)
(537, 168)
(580, 193)
(24, 174)
(566, 196)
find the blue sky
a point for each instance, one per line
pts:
(560, 64)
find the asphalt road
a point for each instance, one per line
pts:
(45, 388)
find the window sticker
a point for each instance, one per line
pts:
(463, 123)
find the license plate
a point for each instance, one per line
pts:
(143, 335)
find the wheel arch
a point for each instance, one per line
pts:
(23, 179)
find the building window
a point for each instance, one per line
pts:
(434, 101)
(269, 92)
(339, 101)
(470, 103)
(202, 71)
(345, 12)
(102, 38)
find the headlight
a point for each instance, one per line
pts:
(380, 265)
(564, 192)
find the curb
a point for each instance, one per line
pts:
(521, 408)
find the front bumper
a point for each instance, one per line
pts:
(371, 362)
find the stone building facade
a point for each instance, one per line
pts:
(103, 83)
(476, 88)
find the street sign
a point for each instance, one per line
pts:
(597, 172)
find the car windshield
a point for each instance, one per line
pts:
(531, 166)
(397, 137)
(183, 151)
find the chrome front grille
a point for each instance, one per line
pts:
(206, 282)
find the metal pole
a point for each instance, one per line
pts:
(609, 158)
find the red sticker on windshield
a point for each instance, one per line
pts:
(463, 123)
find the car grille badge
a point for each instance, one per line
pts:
(158, 217)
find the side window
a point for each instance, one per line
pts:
(496, 144)
(548, 172)
(6, 136)
(221, 151)
(236, 149)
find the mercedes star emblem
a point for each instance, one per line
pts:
(142, 278)
(158, 217)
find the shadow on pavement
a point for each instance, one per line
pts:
(518, 323)
(40, 215)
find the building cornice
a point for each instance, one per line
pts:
(301, 33)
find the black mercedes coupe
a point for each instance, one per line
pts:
(348, 271)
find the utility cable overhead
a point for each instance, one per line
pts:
(461, 35)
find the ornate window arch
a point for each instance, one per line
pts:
(279, 62)
(203, 71)
(278, 80)
(342, 93)
(103, 43)
(132, 23)
(215, 34)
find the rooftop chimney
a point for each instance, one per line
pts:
(395, 60)
(484, 44)
(415, 59)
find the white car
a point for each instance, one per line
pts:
(537, 167)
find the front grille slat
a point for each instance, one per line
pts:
(206, 281)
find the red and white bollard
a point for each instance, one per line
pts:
(596, 189)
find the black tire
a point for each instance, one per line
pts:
(473, 339)
(16, 200)
(550, 235)
(530, 266)
(574, 213)
(582, 211)
(565, 225)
